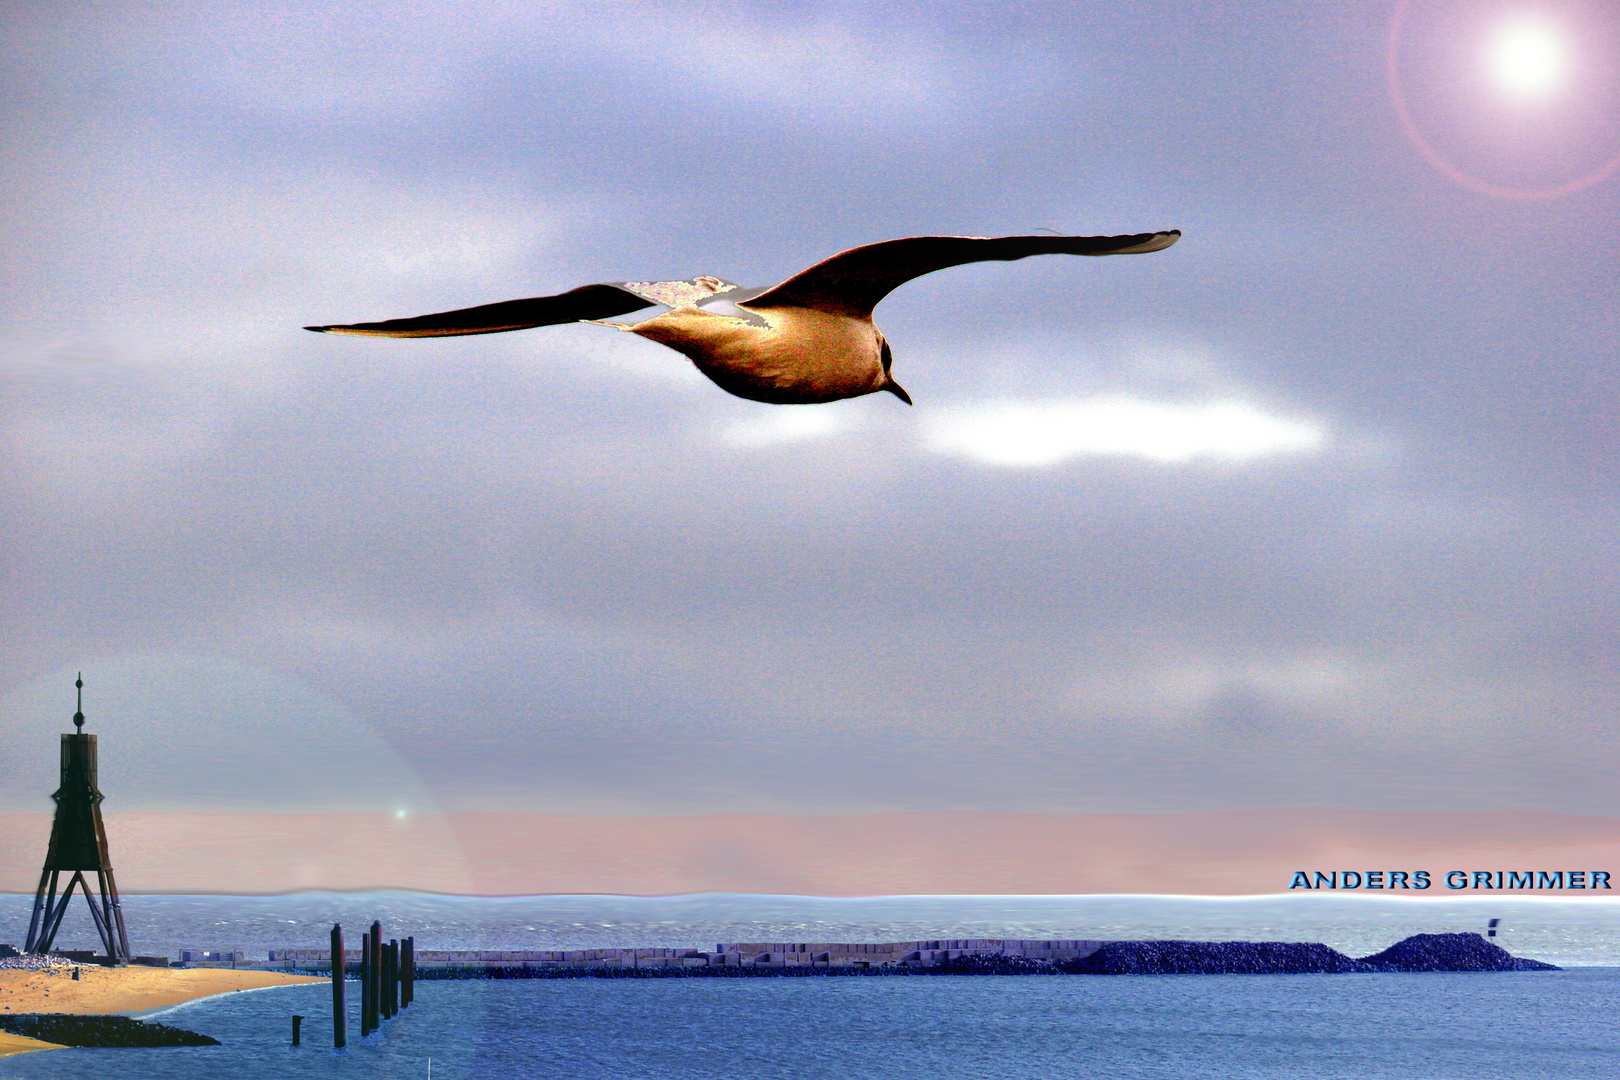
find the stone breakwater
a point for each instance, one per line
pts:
(736, 955)
(1449, 952)
(1213, 958)
(1421, 952)
(68, 1030)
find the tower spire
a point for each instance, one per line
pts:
(78, 711)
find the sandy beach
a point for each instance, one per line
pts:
(22, 1044)
(101, 990)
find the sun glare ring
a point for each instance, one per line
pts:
(1525, 53)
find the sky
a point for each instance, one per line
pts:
(1314, 511)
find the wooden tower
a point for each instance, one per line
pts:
(78, 843)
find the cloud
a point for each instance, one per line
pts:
(1036, 433)
(1168, 690)
(782, 426)
(1336, 473)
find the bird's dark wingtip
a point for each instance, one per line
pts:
(318, 329)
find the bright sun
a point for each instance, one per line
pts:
(1528, 59)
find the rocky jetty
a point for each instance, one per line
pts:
(1449, 952)
(991, 964)
(66, 1029)
(1212, 958)
(1420, 952)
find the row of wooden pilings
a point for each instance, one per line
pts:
(387, 981)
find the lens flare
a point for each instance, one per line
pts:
(1528, 59)
(1509, 100)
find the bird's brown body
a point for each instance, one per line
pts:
(807, 341)
(782, 356)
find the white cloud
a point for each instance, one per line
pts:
(1047, 432)
(384, 61)
(1169, 689)
(783, 425)
(772, 66)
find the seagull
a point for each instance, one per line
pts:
(807, 341)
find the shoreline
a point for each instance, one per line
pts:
(11, 1045)
(104, 991)
(136, 992)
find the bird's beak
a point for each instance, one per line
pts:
(898, 391)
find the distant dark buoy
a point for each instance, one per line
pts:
(1491, 930)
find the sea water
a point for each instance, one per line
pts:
(1436, 1025)
(1558, 930)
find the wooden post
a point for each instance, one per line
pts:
(340, 1015)
(393, 977)
(365, 985)
(408, 994)
(374, 991)
(387, 980)
(297, 1020)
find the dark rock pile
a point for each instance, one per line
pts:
(995, 964)
(1420, 952)
(70, 1030)
(1211, 958)
(1449, 952)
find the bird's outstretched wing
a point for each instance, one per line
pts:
(585, 302)
(674, 294)
(852, 282)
